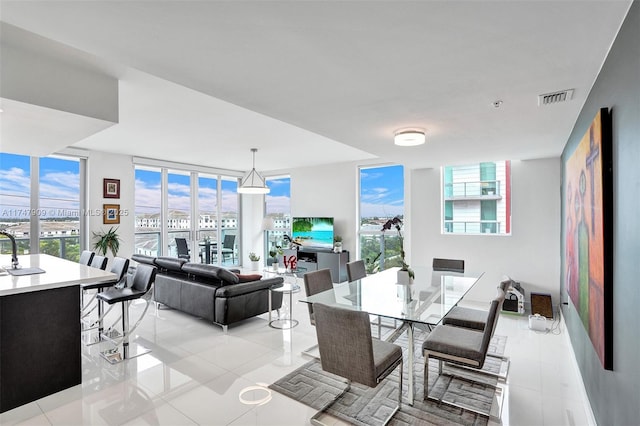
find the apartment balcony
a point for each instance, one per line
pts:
(473, 227)
(479, 190)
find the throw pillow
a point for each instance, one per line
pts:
(247, 278)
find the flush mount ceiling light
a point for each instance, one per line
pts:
(253, 183)
(409, 137)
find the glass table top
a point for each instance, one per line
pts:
(426, 301)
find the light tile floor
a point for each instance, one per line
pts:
(195, 373)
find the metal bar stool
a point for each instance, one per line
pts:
(140, 288)
(119, 267)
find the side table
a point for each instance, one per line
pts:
(284, 321)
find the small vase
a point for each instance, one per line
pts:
(404, 278)
(255, 265)
(275, 266)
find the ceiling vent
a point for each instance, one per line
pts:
(555, 97)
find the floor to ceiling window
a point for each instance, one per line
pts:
(476, 198)
(188, 214)
(179, 213)
(277, 213)
(207, 235)
(381, 199)
(41, 204)
(148, 202)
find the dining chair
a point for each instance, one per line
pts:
(356, 270)
(348, 350)
(476, 319)
(228, 247)
(461, 346)
(316, 282)
(183, 248)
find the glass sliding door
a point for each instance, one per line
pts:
(179, 214)
(148, 202)
(207, 235)
(228, 251)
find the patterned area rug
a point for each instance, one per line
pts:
(367, 406)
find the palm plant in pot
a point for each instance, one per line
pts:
(109, 240)
(405, 274)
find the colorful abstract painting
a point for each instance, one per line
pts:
(587, 201)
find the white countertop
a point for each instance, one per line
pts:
(58, 273)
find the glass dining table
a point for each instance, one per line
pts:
(424, 302)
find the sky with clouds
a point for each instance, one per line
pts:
(381, 189)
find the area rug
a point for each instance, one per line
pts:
(366, 406)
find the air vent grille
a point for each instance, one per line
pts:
(555, 97)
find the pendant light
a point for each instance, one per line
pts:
(253, 183)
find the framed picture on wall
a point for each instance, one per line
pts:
(588, 225)
(111, 188)
(111, 214)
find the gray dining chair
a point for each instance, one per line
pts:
(476, 319)
(356, 270)
(460, 346)
(348, 350)
(183, 248)
(228, 247)
(315, 282)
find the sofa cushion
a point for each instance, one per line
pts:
(170, 263)
(247, 278)
(227, 276)
(143, 258)
(209, 272)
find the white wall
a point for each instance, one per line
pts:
(329, 191)
(530, 255)
(112, 166)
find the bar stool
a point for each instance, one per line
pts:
(142, 281)
(119, 267)
(86, 257)
(95, 261)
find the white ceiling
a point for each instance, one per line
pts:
(315, 82)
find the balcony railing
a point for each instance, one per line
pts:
(472, 227)
(486, 189)
(64, 246)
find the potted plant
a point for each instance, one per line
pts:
(274, 262)
(405, 274)
(255, 261)
(337, 244)
(109, 240)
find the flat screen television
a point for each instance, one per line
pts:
(313, 231)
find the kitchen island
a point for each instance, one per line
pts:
(40, 340)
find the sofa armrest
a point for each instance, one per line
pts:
(244, 288)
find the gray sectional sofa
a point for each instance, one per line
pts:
(216, 294)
